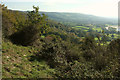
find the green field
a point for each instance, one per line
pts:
(81, 27)
(87, 28)
(97, 29)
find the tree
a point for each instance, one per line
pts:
(32, 31)
(37, 20)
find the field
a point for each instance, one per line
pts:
(96, 29)
(87, 28)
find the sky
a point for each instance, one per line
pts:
(104, 8)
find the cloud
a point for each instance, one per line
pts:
(94, 7)
(48, 1)
(58, 2)
(20, 0)
(107, 8)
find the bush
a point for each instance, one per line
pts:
(58, 53)
(88, 48)
(26, 36)
(35, 26)
(114, 46)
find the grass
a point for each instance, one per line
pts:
(42, 36)
(81, 27)
(96, 39)
(98, 29)
(87, 28)
(115, 36)
(16, 63)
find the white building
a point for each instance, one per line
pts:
(116, 27)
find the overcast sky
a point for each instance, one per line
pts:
(105, 8)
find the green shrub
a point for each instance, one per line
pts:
(35, 26)
(26, 36)
(114, 46)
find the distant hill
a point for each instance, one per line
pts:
(78, 19)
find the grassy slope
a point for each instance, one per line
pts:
(17, 64)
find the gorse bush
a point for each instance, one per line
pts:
(58, 53)
(98, 64)
(35, 26)
(88, 48)
(114, 46)
(12, 21)
(26, 36)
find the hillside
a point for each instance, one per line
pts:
(20, 63)
(34, 46)
(78, 19)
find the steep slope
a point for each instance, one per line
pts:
(19, 63)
